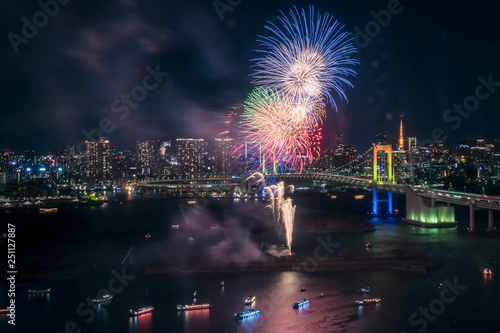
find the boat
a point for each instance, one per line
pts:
(250, 299)
(367, 301)
(40, 291)
(48, 210)
(487, 271)
(303, 289)
(247, 314)
(364, 290)
(193, 307)
(191, 202)
(141, 311)
(147, 236)
(441, 286)
(322, 295)
(103, 299)
(175, 226)
(301, 303)
(368, 245)
(195, 294)
(222, 284)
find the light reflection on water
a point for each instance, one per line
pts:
(196, 320)
(141, 323)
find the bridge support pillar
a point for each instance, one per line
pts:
(471, 218)
(490, 220)
(376, 200)
(389, 202)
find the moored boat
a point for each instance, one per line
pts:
(48, 210)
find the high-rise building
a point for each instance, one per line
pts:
(223, 157)
(164, 159)
(339, 141)
(339, 150)
(97, 162)
(191, 157)
(5, 157)
(165, 150)
(412, 143)
(145, 157)
(326, 161)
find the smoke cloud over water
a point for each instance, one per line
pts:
(211, 235)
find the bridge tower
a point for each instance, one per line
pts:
(388, 149)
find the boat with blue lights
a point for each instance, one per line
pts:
(247, 314)
(142, 310)
(301, 303)
(194, 307)
(250, 299)
(367, 301)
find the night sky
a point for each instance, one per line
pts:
(65, 78)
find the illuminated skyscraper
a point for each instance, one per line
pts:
(5, 156)
(191, 157)
(223, 157)
(412, 143)
(164, 159)
(145, 157)
(165, 150)
(339, 150)
(97, 162)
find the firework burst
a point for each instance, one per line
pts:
(306, 58)
(280, 129)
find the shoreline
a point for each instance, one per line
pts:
(414, 265)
